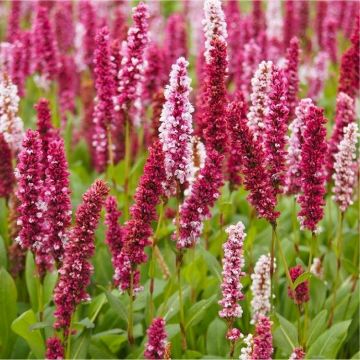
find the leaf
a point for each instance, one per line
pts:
(49, 284)
(196, 312)
(356, 356)
(79, 347)
(96, 305)
(100, 351)
(40, 325)
(8, 297)
(117, 305)
(3, 258)
(215, 344)
(317, 295)
(286, 336)
(86, 323)
(31, 280)
(211, 261)
(317, 327)
(328, 344)
(21, 326)
(302, 278)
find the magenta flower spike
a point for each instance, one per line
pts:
(296, 139)
(313, 153)
(318, 75)
(57, 197)
(114, 233)
(104, 107)
(262, 340)
(54, 349)
(64, 25)
(7, 179)
(275, 131)
(346, 168)
(330, 37)
(32, 207)
(175, 43)
(46, 52)
(344, 115)
(157, 340)
(302, 293)
(13, 27)
(233, 263)
(321, 11)
(137, 230)
(256, 177)
(74, 275)
(290, 21)
(175, 131)
(274, 29)
(291, 72)
(16, 68)
(297, 354)
(133, 56)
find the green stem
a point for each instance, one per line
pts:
(130, 314)
(295, 228)
(127, 167)
(338, 266)
(273, 231)
(67, 341)
(179, 257)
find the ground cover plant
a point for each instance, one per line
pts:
(179, 179)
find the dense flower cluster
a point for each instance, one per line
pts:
(274, 30)
(313, 152)
(157, 339)
(233, 263)
(105, 91)
(259, 97)
(261, 288)
(32, 208)
(64, 25)
(74, 275)
(293, 176)
(11, 124)
(233, 334)
(346, 168)
(297, 354)
(54, 349)
(262, 347)
(318, 74)
(7, 178)
(175, 130)
(301, 294)
(133, 55)
(276, 129)
(344, 115)
(138, 229)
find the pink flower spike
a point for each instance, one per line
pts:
(344, 115)
(297, 354)
(13, 27)
(133, 56)
(138, 229)
(275, 130)
(54, 349)
(346, 168)
(64, 25)
(233, 263)
(175, 130)
(157, 339)
(312, 162)
(318, 75)
(290, 21)
(114, 233)
(74, 275)
(330, 34)
(291, 72)
(293, 175)
(46, 53)
(262, 341)
(32, 208)
(302, 293)
(105, 91)
(57, 196)
(7, 178)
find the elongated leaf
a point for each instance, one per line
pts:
(215, 344)
(31, 281)
(3, 258)
(21, 326)
(303, 277)
(196, 312)
(286, 335)
(211, 262)
(49, 284)
(117, 305)
(8, 296)
(80, 346)
(328, 344)
(317, 326)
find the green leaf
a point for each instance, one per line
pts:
(317, 295)
(49, 284)
(211, 261)
(31, 281)
(100, 351)
(302, 278)
(286, 335)
(117, 305)
(40, 325)
(196, 312)
(21, 326)
(3, 258)
(328, 344)
(96, 305)
(356, 356)
(79, 347)
(215, 344)
(317, 327)
(86, 323)
(8, 297)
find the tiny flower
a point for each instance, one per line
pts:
(157, 339)
(317, 75)
(317, 268)
(245, 352)
(301, 294)
(233, 263)
(297, 354)
(262, 340)
(345, 168)
(7, 178)
(233, 334)
(54, 349)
